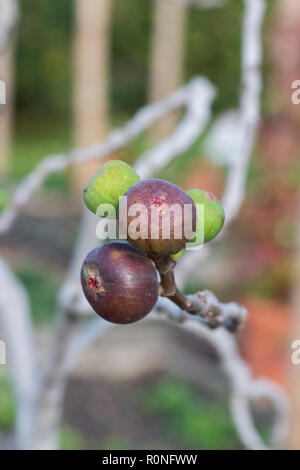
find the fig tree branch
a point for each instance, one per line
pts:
(204, 303)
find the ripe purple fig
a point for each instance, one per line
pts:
(161, 217)
(119, 282)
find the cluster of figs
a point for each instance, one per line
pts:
(119, 278)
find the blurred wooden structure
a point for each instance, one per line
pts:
(166, 72)
(285, 50)
(284, 47)
(6, 110)
(91, 71)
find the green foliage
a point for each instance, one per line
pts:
(42, 291)
(44, 56)
(4, 199)
(115, 443)
(130, 53)
(35, 140)
(71, 439)
(262, 286)
(179, 166)
(7, 405)
(212, 48)
(293, 175)
(198, 424)
(256, 177)
(213, 43)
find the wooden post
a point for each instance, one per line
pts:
(91, 64)
(166, 57)
(6, 110)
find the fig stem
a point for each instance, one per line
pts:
(202, 303)
(165, 266)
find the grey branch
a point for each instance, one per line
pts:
(214, 313)
(211, 312)
(203, 304)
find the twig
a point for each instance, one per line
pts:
(204, 303)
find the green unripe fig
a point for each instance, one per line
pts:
(110, 183)
(214, 215)
(3, 200)
(177, 255)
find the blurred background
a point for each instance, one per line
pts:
(75, 69)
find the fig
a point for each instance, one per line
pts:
(119, 282)
(109, 184)
(161, 217)
(178, 255)
(214, 215)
